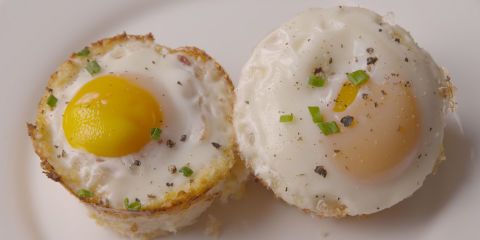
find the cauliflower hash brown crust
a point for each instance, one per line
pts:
(177, 208)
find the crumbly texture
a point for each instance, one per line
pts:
(178, 208)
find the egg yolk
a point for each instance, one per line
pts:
(385, 134)
(110, 116)
(345, 97)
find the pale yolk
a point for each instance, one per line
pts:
(110, 116)
(385, 133)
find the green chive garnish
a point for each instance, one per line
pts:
(358, 77)
(155, 133)
(316, 81)
(85, 52)
(132, 206)
(52, 101)
(315, 113)
(84, 193)
(328, 127)
(93, 67)
(186, 171)
(286, 117)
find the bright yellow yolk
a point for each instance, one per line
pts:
(345, 97)
(110, 116)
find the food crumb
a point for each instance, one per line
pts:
(172, 169)
(213, 227)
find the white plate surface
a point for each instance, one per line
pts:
(36, 36)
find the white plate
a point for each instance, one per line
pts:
(36, 36)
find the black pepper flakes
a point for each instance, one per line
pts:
(330, 61)
(383, 92)
(247, 102)
(172, 169)
(183, 138)
(216, 145)
(364, 96)
(169, 184)
(336, 150)
(170, 143)
(137, 163)
(397, 40)
(321, 171)
(179, 83)
(151, 196)
(370, 50)
(347, 121)
(406, 59)
(371, 60)
(318, 70)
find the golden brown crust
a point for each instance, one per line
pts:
(44, 148)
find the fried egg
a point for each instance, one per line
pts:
(141, 133)
(340, 113)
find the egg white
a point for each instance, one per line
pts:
(274, 81)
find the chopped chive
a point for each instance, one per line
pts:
(132, 206)
(93, 67)
(84, 193)
(186, 171)
(85, 52)
(358, 77)
(316, 81)
(315, 113)
(52, 101)
(286, 117)
(328, 128)
(155, 133)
